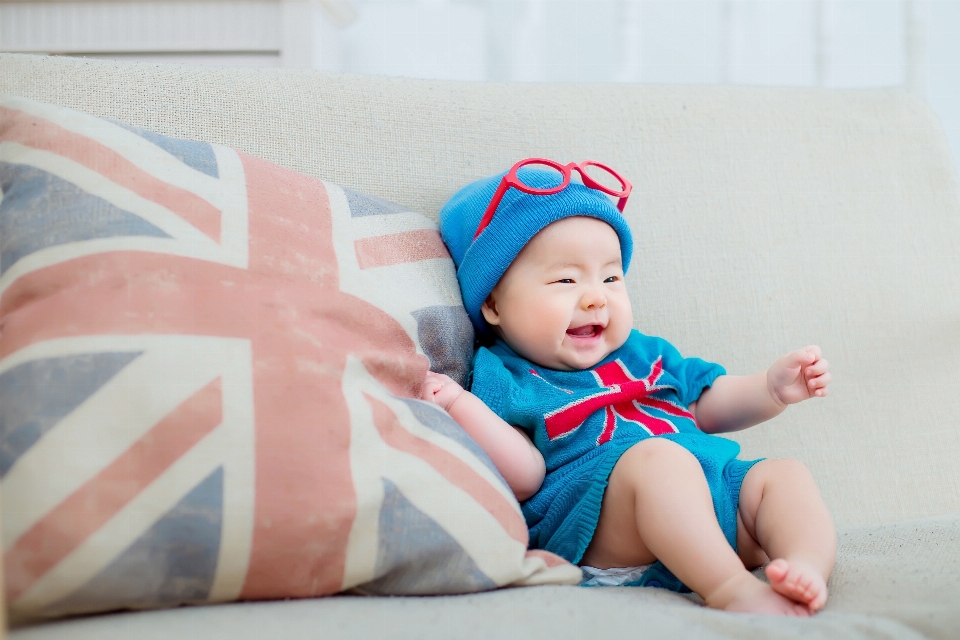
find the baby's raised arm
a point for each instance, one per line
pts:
(510, 449)
(738, 402)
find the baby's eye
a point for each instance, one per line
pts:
(612, 279)
(565, 280)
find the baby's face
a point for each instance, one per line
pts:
(563, 303)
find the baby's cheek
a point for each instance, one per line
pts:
(620, 333)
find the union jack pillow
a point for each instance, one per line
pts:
(207, 365)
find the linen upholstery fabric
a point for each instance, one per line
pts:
(764, 219)
(206, 379)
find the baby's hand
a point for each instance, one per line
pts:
(440, 389)
(798, 376)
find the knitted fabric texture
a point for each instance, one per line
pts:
(519, 217)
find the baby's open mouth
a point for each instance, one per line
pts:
(586, 331)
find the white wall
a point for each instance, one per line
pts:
(829, 43)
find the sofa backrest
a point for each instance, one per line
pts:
(764, 220)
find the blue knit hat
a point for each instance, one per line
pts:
(520, 216)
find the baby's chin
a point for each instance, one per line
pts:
(571, 360)
(558, 361)
(580, 364)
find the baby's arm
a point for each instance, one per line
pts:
(512, 452)
(738, 402)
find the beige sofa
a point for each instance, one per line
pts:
(764, 219)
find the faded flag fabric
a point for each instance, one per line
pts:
(207, 365)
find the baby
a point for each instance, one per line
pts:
(602, 432)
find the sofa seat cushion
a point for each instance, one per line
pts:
(891, 581)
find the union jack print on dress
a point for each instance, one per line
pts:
(622, 395)
(205, 370)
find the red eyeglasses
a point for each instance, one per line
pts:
(511, 180)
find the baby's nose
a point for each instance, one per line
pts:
(593, 299)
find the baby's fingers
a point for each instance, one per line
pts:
(444, 378)
(801, 357)
(818, 368)
(431, 385)
(818, 386)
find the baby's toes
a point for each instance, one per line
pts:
(777, 570)
(793, 581)
(816, 592)
(805, 588)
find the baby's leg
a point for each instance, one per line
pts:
(658, 506)
(781, 510)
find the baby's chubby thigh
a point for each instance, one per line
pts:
(654, 483)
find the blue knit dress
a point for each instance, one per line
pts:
(583, 421)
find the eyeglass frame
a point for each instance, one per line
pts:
(511, 180)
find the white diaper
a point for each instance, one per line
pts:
(612, 577)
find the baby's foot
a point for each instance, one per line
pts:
(746, 594)
(798, 581)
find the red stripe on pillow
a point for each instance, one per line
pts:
(551, 559)
(302, 328)
(37, 133)
(399, 248)
(71, 522)
(452, 468)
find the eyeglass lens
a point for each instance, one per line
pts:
(554, 176)
(604, 177)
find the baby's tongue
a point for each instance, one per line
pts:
(585, 330)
